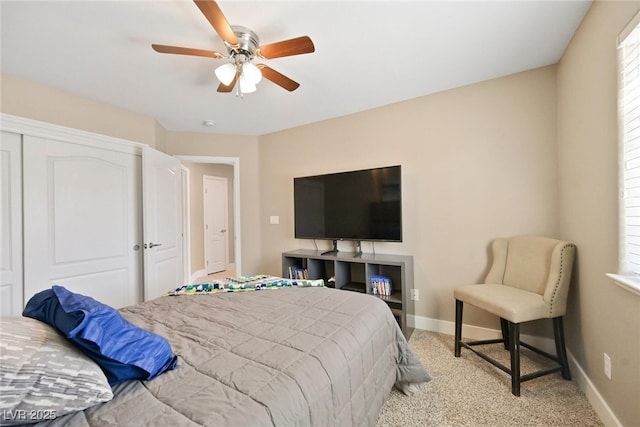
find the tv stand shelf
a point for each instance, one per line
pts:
(353, 272)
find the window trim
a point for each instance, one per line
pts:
(626, 281)
(630, 283)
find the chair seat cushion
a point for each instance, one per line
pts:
(512, 304)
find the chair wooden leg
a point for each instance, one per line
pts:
(504, 325)
(514, 349)
(561, 351)
(458, 336)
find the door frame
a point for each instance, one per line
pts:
(235, 162)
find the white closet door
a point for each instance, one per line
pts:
(82, 221)
(11, 232)
(162, 183)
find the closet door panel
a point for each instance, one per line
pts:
(11, 232)
(74, 206)
(162, 187)
(82, 220)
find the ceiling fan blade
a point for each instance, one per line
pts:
(278, 78)
(290, 47)
(216, 18)
(229, 88)
(186, 51)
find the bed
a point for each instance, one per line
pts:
(296, 355)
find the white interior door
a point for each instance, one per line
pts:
(162, 212)
(186, 227)
(11, 233)
(82, 220)
(215, 224)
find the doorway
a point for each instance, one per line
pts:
(196, 266)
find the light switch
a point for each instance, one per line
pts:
(274, 220)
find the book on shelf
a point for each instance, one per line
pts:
(298, 273)
(380, 285)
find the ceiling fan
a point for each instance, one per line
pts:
(243, 45)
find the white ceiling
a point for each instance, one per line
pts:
(368, 53)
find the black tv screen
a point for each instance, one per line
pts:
(356, 205)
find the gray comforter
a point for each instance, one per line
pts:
(286, 357)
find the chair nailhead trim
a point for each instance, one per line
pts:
(555, 290)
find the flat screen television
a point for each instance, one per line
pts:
(362, 205)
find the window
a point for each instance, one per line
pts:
(629, 109)
(629, 122)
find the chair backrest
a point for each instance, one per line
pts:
(536, 264)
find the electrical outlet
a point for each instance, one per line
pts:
(415, 295)
(607, 365)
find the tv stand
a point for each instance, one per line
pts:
(351, 272)
(334, 250)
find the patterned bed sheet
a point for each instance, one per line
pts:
(242, 283)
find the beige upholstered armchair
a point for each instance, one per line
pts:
(528, 280)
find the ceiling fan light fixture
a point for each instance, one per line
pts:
(245, 85)
(226, 73)
(251, 73)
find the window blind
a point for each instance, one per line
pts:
(629, 54)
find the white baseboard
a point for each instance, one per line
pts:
(596, 400)
(197, 275)
(446, 327)
(201, 273)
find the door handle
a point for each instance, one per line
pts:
(152, 245)
(223, 231)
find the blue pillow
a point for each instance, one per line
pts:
(123, 350)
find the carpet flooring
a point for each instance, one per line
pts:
(468, 391)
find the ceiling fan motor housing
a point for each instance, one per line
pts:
(248, 42)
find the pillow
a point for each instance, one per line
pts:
(123, 350)
(42, 375)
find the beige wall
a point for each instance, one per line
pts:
(196, 209)
(38, 102)
(477, 162)
(603, 318)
